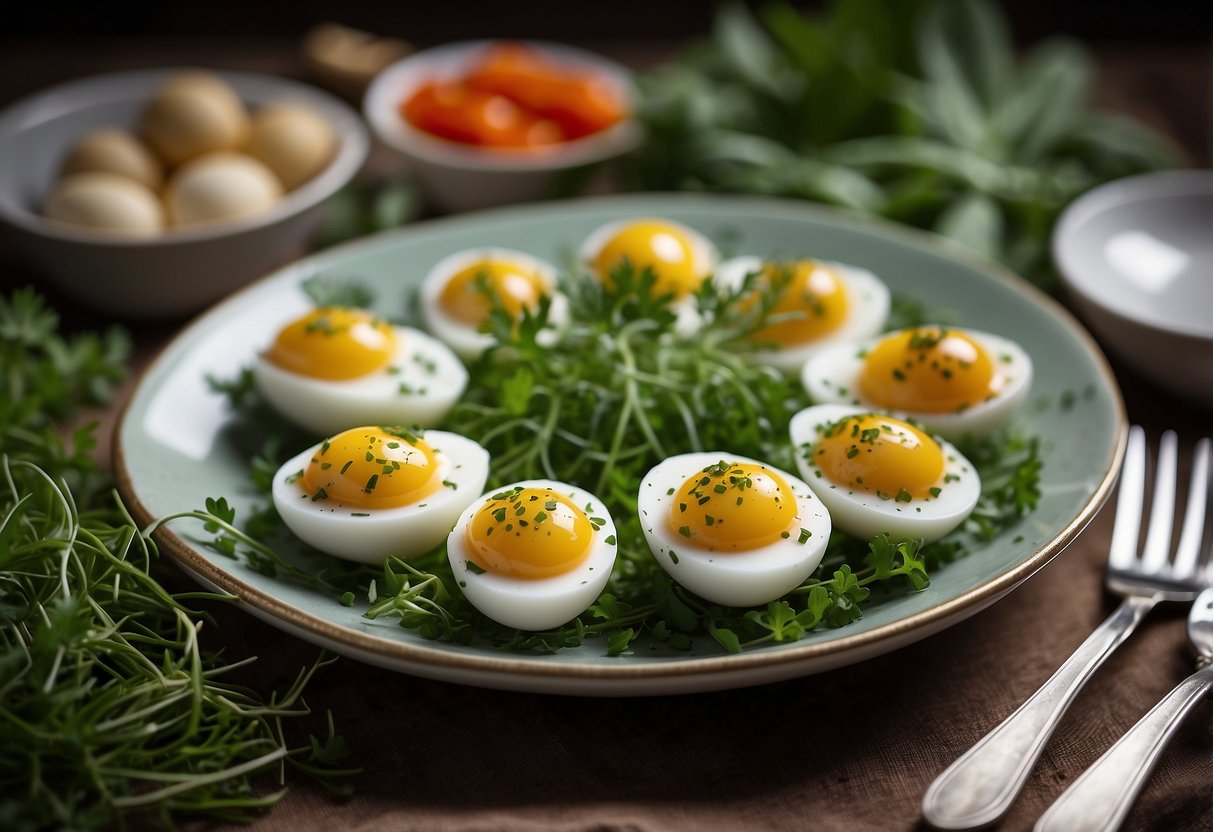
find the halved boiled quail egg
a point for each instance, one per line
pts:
(679, 257)
(954, 381)
(371, 492)
(814, 304)
(533, 555)
(732, 530)
(459, 293)
(880, 474)
(336, 367)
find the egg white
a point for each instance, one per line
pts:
(466, 340)
(867, 310)
(405, 531)
(704, 259)
(832, 375)
(547, 602)
(420, 384)
(863, 514)
(735, 579)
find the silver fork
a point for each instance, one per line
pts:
(980, 786)
(1099, 800)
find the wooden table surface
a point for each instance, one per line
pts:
(849, 749)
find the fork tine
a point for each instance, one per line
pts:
(1194, 516)
(1162, 512)
(1123, 550)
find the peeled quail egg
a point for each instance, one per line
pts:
(679, 257)
(954, 381)
(336, 367)
(294, 142)
(819, 304)
(221, 186)
(105, 202)
(732, 530)
(111, 150)
(534, 554)
(371, 492)
(880, 474)
(192, 114)
(455, 296)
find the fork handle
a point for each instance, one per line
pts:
(1101, 797)
(979, 787)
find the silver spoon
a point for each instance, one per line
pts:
(1103, 795)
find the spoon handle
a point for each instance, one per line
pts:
(1101, 797)
(980, 786)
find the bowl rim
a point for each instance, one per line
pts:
(1120, 192)
(38, 108)
(387, 88)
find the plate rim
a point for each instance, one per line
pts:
(725, 669)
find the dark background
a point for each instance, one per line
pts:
(436, 21)
(1153, 56)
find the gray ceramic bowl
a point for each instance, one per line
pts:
(1136, 257)
(180, 271)
(459, 177)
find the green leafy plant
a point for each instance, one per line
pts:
(113, 708)
(623, 388)
(916, 111)
(45, 378)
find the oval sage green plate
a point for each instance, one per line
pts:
(175, 445)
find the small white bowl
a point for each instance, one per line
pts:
(180, 271)
(1136, 257)
(459, 177)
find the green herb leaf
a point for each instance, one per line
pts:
(112, 688)
(975, 221)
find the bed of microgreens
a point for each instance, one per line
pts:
(621, 390)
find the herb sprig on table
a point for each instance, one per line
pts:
(112, 703)
(917, 111)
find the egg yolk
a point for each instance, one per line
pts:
(880, 455)
(811, 302)
(660, 246)
(334, 344)
(529, 533)
(929, 370)
(372, 468)
(733, 507)
(468, 295)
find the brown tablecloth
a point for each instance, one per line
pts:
(852, 749)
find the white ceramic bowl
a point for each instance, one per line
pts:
(179, 271)
(459, 177)
(1136, 257)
